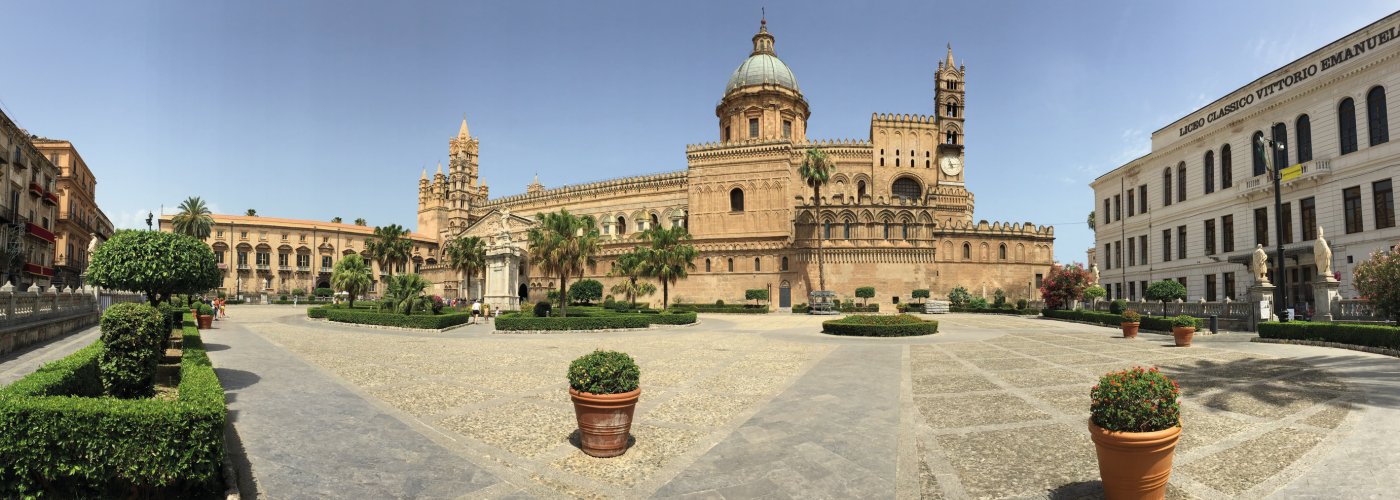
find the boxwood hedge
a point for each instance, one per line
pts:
(517, 322)
(727, 308)
(1343, 333)
(902, 325)
(1154, 323)
(371, 317)
(60, 437)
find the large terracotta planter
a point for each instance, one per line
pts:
(1134, 465)
(206, 321)
(1129, 329)
(1183, 335)
(604, 421)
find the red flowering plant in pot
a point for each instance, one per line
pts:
(604, 386)
(1131, 321)
(1135, 421)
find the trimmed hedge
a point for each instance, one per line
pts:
(902, 325)
(370, 317)
(1154, 323)
(1343, 333)
(59, 437)
(995, 310)
(727, 309)
(132, 335)
(858, 308)
(516, 322)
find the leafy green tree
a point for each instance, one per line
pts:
(1095, 292)
(1064, 285)
(298, 292)
(156, 263)
(631, 265)
(959, 297)
(562, 244)
(389, 247)
(816, 171)
(252, 212)
(467, 255)
(668, 257)
(1165, 290)
(998, 298)
(1378, 281)
(920, 294)
(407, 293)
(586, 291)
(865, 293)
(193, 218)
(361, 222)
(353, 276)
(1091, 221)
(336, 220)
(756, 294)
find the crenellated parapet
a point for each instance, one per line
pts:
(895, 119)
(664, 181)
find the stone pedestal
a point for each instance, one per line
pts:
(503, 277)
(1262, 296)
(1328, 300)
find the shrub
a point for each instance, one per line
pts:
(1021, 304)
(58, 438)
(610, 321)
(977, 303)
(902, 325)
(542, 308)
(1387, 337)
(719, 302)
(371, 317)
(552, 295)
(132, 335)
(205, 309)
(174, 315)
(756, 294)
(1184, 321)
(998, 298)
(1165, 291)
(1064, 285)
(298, 292)
(865, 293)
(1378, 281)
(324, 292)
(959, 297)
(852, 307)
(801, 308)
(1094, 292)
(586, 291)
(1135, 400)
(728, 309)
(920, 294)
(1131, 316)
(604, 372)
(1117, 306)
(154, 262)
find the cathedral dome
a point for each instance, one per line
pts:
(762, 67)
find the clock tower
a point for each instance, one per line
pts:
(949, 98)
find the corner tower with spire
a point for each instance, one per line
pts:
(445, 203)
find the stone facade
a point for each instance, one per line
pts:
(28, 208)
(1196, 206)
(80, 221)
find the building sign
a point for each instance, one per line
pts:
(1291, 173)
(1320, 66)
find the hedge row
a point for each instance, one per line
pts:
(515, 322)
(370, 317)
(1342, 333)
(60, 437)
(727, 308)
(902, 325)
(995, 310)
(1154, 323)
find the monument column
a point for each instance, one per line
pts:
(503, 261)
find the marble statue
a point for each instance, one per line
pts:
(1094, 269)
(1322, 256)
(92, 244)
(504, 220)
(1259, 265)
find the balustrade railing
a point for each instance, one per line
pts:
(19, 307)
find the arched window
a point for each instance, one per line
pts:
(1376, 122)
(887, 230)
(906, 188)
(655, 221)
(952, 137)
(967, 251)
(756, 266)
(951, 109)
(707, 265)
(1208, 171)
(1280, 148)
(860, 191)
(1303, 128)
(785, 264)
(731, 264)
(1257, 146)
(826, 230)
(1001, 251)
(1227, 175)
(904, 229)
(1181, 181)
(621, 225)
(1166, 187)
(846, 230)
(1346, 125)
(736, 200)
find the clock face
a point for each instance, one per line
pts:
(951, 165)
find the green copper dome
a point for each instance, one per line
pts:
(760, 69)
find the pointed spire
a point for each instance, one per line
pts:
(439, 172)
(425, 173)
(462, 132)
(950, 55)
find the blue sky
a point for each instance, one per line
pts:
(316, 109)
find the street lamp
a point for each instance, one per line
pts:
(238, 287)
(149, 217)
(1268, 146)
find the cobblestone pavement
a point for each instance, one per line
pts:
(739, 407)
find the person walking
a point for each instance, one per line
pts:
(476, 310)
(486, 313)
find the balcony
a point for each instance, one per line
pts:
(284, 268)
(38, 270)
(35, 189)
(303, 269)
(264, 267)
(243, 266)
(51, 198)
(38, 231)
(325, 270)
(1312, 170)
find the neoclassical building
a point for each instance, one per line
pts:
(896, 215)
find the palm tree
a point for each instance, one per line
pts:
(388, 246)
(816, 170)
(361, 222)
(631, 265)
(405, 293)
(468, 255)
(336, 220)
(668, 257)
(252, 212)
(353, 276)
(194, 218)
(561, 244)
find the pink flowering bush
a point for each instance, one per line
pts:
(1135, 400)
(1378, 281)
(1063, 285)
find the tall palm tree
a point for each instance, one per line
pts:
(389, 246)
(466, 254)
(194, 218)
(361, 222)
(252, 212)
(631, 265)
(353, 276)
(816, 171)
(561, 244)
(336, 220)
(668, 257)
(405, 293)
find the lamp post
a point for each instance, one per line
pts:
(149, 217)
(1276, 171)
(238, 287)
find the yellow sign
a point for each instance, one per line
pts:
(1291, 173)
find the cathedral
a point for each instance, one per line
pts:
(896, 214)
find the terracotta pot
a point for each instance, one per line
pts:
(1129, 330)
(1183, 335)
(1134, 465)
(604, 421)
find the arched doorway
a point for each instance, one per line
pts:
(785, 295)
(323, 284)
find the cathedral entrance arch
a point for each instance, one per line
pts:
(323, 284)
(785, 295)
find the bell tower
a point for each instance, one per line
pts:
(462, 184)
(949, 99)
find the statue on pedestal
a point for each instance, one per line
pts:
(1259, 265)
(1322, 256)
(503, 227)
(1094, 269)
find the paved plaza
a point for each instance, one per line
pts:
(765, 406)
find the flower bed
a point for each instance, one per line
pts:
(360, 316)
(59, 436)
(902, 325)
(614, 321)
(1342, 333)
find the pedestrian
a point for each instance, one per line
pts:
(486, 313)
(476, 310)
